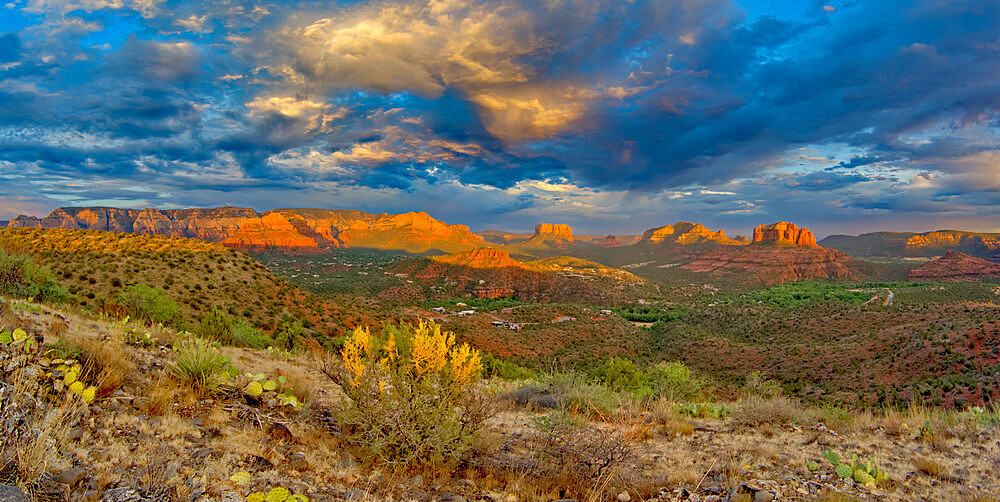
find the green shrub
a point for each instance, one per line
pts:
(21, 276)
(497, 367)
(215, 325)
(199, 362)
(673, 381)
(621, 374)
(288, 333)
(411, 394)
(249, 336)
(148, 304)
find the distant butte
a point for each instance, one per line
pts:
(558, 230)
(784, 232)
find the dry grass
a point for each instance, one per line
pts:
(755, 411)
(930, 467)
(31, 436)
(106, 362)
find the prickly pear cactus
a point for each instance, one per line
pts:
(254, 389)
(278, 495)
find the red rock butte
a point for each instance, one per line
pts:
(685, 232)
(784, 232)
(558, 230)
(480, 258)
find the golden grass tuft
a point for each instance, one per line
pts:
(106, 362)
(930, 467)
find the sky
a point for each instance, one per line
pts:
(843, 116)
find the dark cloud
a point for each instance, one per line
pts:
(633, 98)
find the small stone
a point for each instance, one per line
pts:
(451, 497)
(298, 462)
(416, 480)
(624, 497)
(203, 452)
(279, 432)
(70, 476)
(354, 494)
(466, 484)
(74, 434)
(417, 494)
(346, 461)
(763, 496)
(12, 494)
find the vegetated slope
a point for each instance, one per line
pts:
(491, 273)
(888, 244)
(937, 343)
(296, 230)
(153, 436)
(545, 334)
(95, 266)
(954, 266)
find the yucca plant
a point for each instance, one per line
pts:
(200, 363)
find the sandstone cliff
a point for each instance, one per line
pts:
(773, 265)
(954, 266)
(981, 245)
(685, 232)
(557, 230)
(307, 230)
(784, 233)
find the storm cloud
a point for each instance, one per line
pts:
(840, 116)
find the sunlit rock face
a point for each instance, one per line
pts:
(304, 230)
(784, 232)
(557, 230)
(685, 232)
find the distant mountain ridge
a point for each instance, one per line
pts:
(297, 230)
(925, 244)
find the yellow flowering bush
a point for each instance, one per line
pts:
(412, 393)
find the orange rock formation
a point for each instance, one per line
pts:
(784, 233)
(558, 230)
(293, 229)
(685, 232)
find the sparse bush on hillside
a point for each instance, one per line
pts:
(21, 276)
(288, 332)
(215, 325)
(674, 382)
(497, 367)
(148, 304)
(249, 336)
(411, 394)
(622, 375)
(670, 380)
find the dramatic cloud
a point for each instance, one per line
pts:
(501, 112)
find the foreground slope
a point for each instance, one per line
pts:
(152, 437)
